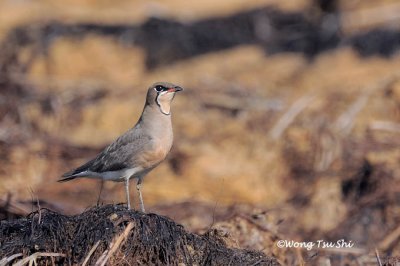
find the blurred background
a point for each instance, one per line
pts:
(288, 128)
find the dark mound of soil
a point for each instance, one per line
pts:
(117, 236)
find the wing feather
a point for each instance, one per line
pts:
(121, 154)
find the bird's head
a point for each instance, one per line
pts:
(162, 94)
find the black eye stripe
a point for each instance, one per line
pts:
(160, 88)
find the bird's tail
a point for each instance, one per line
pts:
(72, 175)
(76, 173)
(69, 176)
(65, 179)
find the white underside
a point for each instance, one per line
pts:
(120, 175)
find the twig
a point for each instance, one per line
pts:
(389, 239)
(377, 257)
(33, 218)
(345, 122)
(262, 227)
(117, 241)
(90, 253)
(39, 210)
(385, 126)
(329, 150)
(36, 255)
(216, 204)
(299, 257)
(356, 251)
(5, 261)
(288, 117)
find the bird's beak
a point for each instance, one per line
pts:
(175, 89)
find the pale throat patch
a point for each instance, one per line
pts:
(164, 101)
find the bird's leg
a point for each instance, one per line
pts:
(101, 189)
(138, 187)
(127, 193)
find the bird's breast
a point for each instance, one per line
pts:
(157, 153)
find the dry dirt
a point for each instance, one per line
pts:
(117, 236)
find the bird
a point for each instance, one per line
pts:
(138, 151)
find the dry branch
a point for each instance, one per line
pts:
(354, 251)
(6, 260)
(115, 244)
(288, 117)
(90, 253)
(378, 258)
(36, 255)
(385, 126)
(390, 239)
(345, 122)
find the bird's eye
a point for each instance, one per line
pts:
(159, 88)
